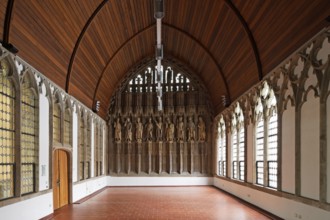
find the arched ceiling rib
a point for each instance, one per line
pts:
(219, 40)
(249, 34)
(151, 29)
(67, 83)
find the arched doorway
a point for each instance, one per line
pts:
(60, 178)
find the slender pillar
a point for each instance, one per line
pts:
(149, 157)
(170, 157)
(192, 148)
(129, 153)
(181, 145)
(118, 157)
(160, 157)
(202, 164)
(139, 152)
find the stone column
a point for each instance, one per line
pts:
(181, 147)
(149, 157)
(192, 150)
(129, 153)
(139, 152)
(170, 157)
(160, 156)
(118, 157)
(201, 151)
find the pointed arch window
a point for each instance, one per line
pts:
(67, 126)
(96, 149)
(259, 146)
(146, 81)
(238, 144)
(7, 133)
(266, 147)
(101, 145)
(29, 137)
(81, 146)
(222, 148)
(56, 122)
(88, 149)
(272, 151)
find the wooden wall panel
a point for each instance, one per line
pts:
(3, 7)
(45, 33)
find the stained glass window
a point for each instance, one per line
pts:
(67, 128)
(81, 147)
(29, 138)
(7, 134)
(56, 123)
(96, 149)
(88, 150)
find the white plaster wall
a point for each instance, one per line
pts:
(288, 150)
(43, 143)
(282, 207)
(310, 147)
(160, 181)
(74, 147)
(328, 148)
(30, 209)
(250, 152)
(85, 188)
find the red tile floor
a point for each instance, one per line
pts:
(202, 202)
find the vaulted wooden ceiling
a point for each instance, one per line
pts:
(88, 46)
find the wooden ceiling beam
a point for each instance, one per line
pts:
(249, 34)
(81, 35)
(5, 38)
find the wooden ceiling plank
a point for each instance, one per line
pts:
(89, 21)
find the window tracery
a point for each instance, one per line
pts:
(238, 144)
(222, 147)
(266, 148)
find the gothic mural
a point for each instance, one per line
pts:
(145, 141)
